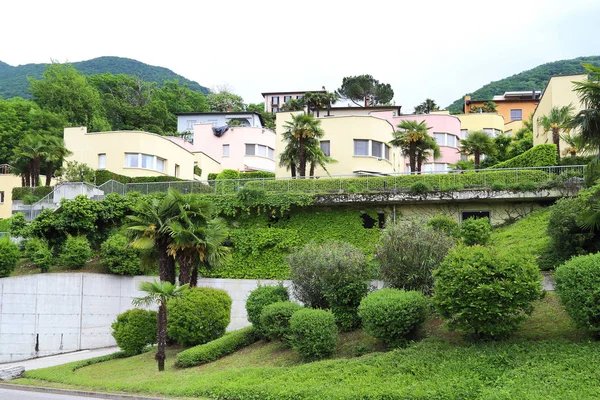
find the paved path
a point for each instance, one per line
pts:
(20, 392)
(9, 394)
(51, 361)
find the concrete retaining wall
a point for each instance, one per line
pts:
(47, 314)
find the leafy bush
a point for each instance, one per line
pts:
(18, 225)
(331, 275)
(212, 176)
(217, 348)
(78, 172)
(313, 333)
(39, 253)
(228, 174)
(419, 188)
(75, 252)
(486, 292)
(199, 316)
(542, 155)
(19, 193)
(257, 175)
(5, 224)
(446, 224)
(275, 319)
(261, 297)
(9, 256)
(119, 257)
(577, 283)
(29, 199)
(408, 253)
(475, 231)
(135, 329)
(393, 316)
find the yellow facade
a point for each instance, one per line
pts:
(512, 127)
(558, 93)
(116, 152)
(7, 183)
(207, 164)
(491, 123)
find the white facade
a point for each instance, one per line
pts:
(186, 121)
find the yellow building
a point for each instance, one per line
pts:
(8, 181)
(558, 93)
(491, 123)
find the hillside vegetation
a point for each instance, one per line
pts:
(14, 83)
(535, 78)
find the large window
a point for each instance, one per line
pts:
(146, 161)
(275, 109)
(275, 100)
(102, 161)
(225, 150)
(132, 160)
(376, 150)
(464, 133)
(361, 147)
(371, 148)
(326, 147)
(286, 98)
(160, 164)
(260, 150)
(446, 139)
(250, 149)
(516, 114)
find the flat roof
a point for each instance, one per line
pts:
(294, 92)
(226, 113)
(365, 108)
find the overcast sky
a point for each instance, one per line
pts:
(437, 49)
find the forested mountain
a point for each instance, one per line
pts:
(13, 80)
(535, 78)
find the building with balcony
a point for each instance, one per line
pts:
(513, 106)
(274, 100)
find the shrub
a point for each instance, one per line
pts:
(331, 275)
(393, 316)
(488, 293)
(261, 297)
(577, 283)
(313, 333)
(218, 348)
(475, 231)
(408, 252)
(76, 251)
(228, 174)
(445, 224)
(135, 329)
(9, 256)
(275, 319)
(542, 155)
(212, 176)
(119, 257)
(419, 188)
(39, 253)
(199, 316)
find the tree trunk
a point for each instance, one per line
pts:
(412, 155)
(36, 172)
(301, 158)
(556, 140)
(49, 173)
(194, 277)
(293, 169)
(185, 261)
(312, 169)
(166, 263)
(161, 336)
(317, 112)
(419, 163)
(477, 159)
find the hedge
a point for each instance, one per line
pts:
(103, 176)
(542, 155)
(217, 348)
(18, 193)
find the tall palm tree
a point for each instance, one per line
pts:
(54, 153)
(159, 293)
(31, 150)
(477, 143)
(588, 119)
(302, 128)
(427, 148)
(558, 121)
(407, 138)
(574, 144)
(316, 157)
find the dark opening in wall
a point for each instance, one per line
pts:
(368, 221)
(474, 214)
(381, 219)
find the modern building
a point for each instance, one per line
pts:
(350, 111)
(8, 181)
(513, 106)
(490, 123)
(186, 121)
(274, 100)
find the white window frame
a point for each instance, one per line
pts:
(139, 157)
(226, 150)
(101, 160)
(269, 152)
(446, 139)
(520, 110)
(164, 164)
(370, 143)
(328, 144)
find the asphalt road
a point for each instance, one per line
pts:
(9, 394)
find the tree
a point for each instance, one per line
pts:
(588, 119)
(502, 145)
(225, 101)
(476, 144)
(29, 153)
(318, 101)
(159, 293)
(574, 144)
(293, 105)
(427, 148)
(54, 152)
(76, 172)
(558, 121)
(426, 107)
(408, 137)
(487, 107)
(301, 129)
(366, 89)
(522, 140)
(268, 117)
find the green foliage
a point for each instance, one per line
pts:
(39, 253)
(275, 319)
(419, 188)
(217, 348)
(313, 333)
(257, 175)
(102, 176)
(331, 275)
(474, 231)
(76, 172)
(225, 101)
(135, 329)
(228, 174)
(393, 316)
(75, 252)
(5, 224)
(577, 283)
(261, 297)
(18, 225)
(486, 292)
(542, 155)
(199, 316)
(119, 257)
(9, 256)
(445, 224)
(197, 170)
(19, 193)
(487, 107)
(365, 89)
(408, 253)
(212, 176)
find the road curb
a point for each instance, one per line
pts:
(71, 392)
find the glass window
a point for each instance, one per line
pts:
(361, 147)
(326, 147)
(286, 98)
(387, 152)
(176, 171)
(275, 100)
(261, 150)
(376, 149)
(131, 160)
(275, 109)
(101, 161)
(440, 167)
(489, 131)
(299, 97)
(160, 164)
(516, 114)
(225, 150)
(1, 197)
(270, 153)
(464, 133)
(440, 138)
(451, 141)
(250, 149)
(147, 161)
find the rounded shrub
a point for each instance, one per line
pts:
(445, 224)
(393, 316)
(75, 252)
(228, 174)
(408, 252)
(313, 333)
(135, 329)
(475, 231)
(275, 319)
(261, 297)
(39, 253)
(9, 256)
(578, 286)
(483, 291)
(331, 275)
(419, 188)
(119, 257)
(198, 316)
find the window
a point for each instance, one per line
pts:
(275, 109)
(160, 164)
(326, 147)
(299, 97)
(261, 150)
(440, 138)
(225, 150)
(131, 160)
(101, 161)
(250, 149)
(446, 139)
(286, 98)
(270, 153)
(190, 124)
(387, 153)
(376, 149)
(1, 197)
(176, 171)
(451, 141)
(474, 214)
(516, 114)
(464, 133)
(275, 100)
(147, 161)
(361, 147)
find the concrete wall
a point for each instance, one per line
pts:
(73, 311)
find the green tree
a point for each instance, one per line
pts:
(54, 152)
(588, 119)
(172, 98)
(427, 149)
(268, 117)
(225, 101)
(159, 293)
(558, 122)
(29, 153)
(301, 129)
(408, 137)
(426, 107)
(522, 140)
(317, 101)
(477, 143)
(76, 172)
(293, 105)
(365, 89)
(487, 107)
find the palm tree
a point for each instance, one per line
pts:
(427, 148)
(407, 138)
(574, 144)
(54, 153)
(426, 107)
(159, 293)
(315, 156)
(557, 122)
(31, 150)
(302, 128)
(588, 119)
(476, 144)
(293, 105)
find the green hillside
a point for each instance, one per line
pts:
(535, 78)
(13, 80)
